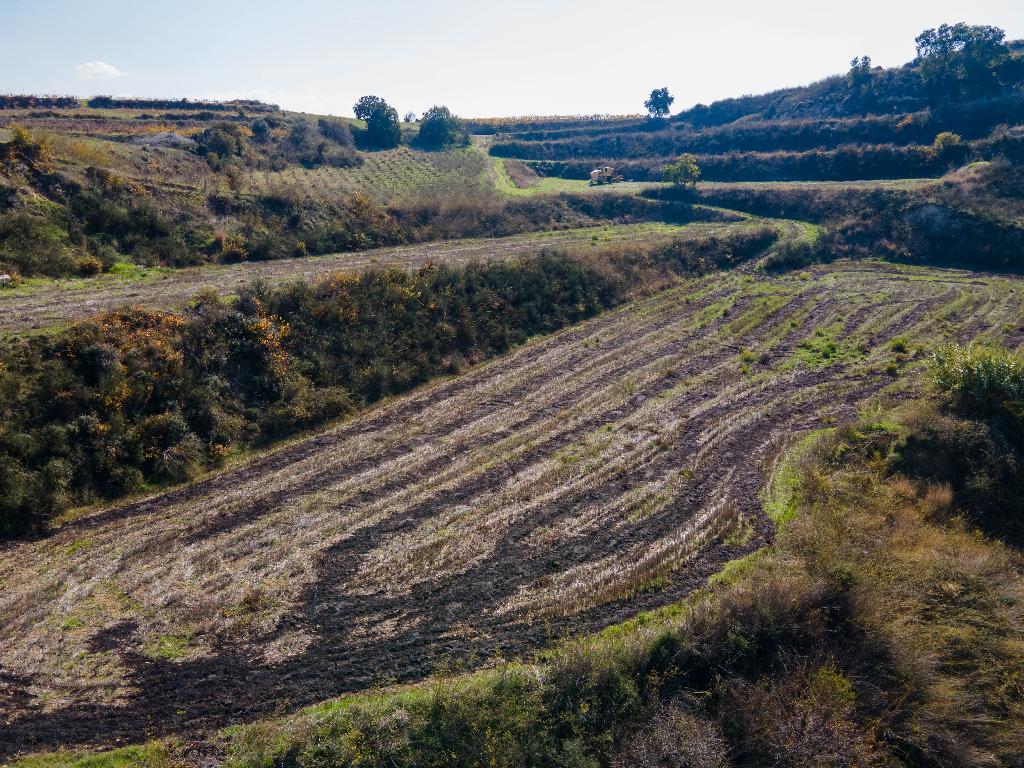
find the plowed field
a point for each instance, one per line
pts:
(603, 470)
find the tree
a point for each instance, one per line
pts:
(659, 103)
(439, 128)
(961, 60)
(410, 117)
(382, 130)
(682, 172)
(862, 86)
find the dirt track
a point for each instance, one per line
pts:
(69, 300)
(607, 469)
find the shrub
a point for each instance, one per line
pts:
(805, 718)
(682, 172)
(88, 265)
(336, 130)
(221, 142)
(981, 380)
(35, 245)
(117, 102)
(25, 150)
(185, 459)
(945, 141)
(980, 462)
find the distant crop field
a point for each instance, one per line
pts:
(407, 174)
(393, 174)
(607, 469)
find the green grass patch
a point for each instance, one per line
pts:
(157, 754)
(740, 568)
(554, 185)
(169, 647)
(827, 345)
(781, 495)
(77, 546)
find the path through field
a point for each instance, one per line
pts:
(41, 306)
(610, 468)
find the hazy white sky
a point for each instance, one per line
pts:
(479, 58)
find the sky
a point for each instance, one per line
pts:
(517, 57)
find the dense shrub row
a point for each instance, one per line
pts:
(496, 125)
(539, 134)
(956, 223)
(291, 226)
(846, 163)
(926, 233)
(884, 224)
(971, 222)
(117, 102)
(137, 397)
(27, 101)
(109, 220)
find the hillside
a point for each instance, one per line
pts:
(584, 478)
(871, 123)
(397, 443)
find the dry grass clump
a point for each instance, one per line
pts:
(675, 738)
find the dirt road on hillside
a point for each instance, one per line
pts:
(59, 301)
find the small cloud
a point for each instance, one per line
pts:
(98, 70)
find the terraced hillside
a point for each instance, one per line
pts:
(609, 468)
(868, 123)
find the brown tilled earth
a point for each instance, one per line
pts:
(604, 470)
